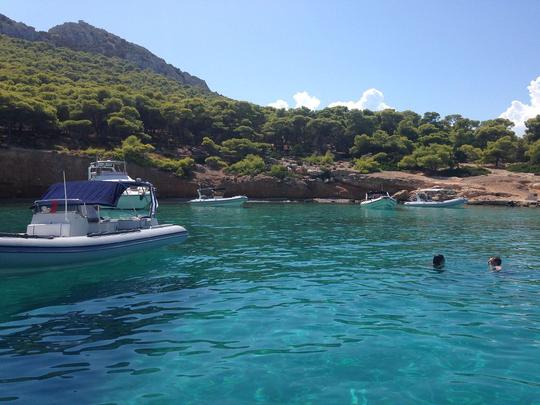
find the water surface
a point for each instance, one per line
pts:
(286, 303)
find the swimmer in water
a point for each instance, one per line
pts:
(495, 263)
(438, 262)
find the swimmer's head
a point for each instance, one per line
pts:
(438, 261)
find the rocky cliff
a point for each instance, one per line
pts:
(82, 36)
(26, 173)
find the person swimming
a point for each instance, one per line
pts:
(438, 262)
(495, 263)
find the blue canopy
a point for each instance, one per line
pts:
(93, 192)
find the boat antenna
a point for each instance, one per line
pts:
(65, 195)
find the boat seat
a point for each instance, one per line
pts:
(91, 214)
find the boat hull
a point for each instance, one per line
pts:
(453, 203)
(236, 201)
(381, 203)
(41, 253)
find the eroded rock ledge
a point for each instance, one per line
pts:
(27, 173)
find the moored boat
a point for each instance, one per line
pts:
(67, 228)
(378, 200)
(436, 197)
(134, 197)
(207, 198)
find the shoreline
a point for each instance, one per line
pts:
(338, 184)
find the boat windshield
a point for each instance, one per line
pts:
(107, 168)
(55, 206)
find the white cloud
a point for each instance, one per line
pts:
(372, 99)
(279, 104)
(303, 99)
(519, 112)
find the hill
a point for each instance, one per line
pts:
(95, 102)
(82, 36)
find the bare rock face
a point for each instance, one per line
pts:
(19, 30)
(84, 37)
(402, 195)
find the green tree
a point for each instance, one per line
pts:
(469, 153)
(534, 153)
(430, 158)
(532, 133)
(501, 150)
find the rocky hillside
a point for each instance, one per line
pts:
(82, 36)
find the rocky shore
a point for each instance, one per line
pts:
(27, 173)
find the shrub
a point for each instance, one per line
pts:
(323, 160)
(133, 150)
(215, 162)
(279, 171)
(430, 158)
(367, 164)
(181, 167)
(251, 165)
(524, 168)
(464, 171)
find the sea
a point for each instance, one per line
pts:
(277, 303)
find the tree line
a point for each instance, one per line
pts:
(54, 97)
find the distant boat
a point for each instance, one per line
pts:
(67, 228)
(436, 197)
(207, 198)
(378, 200)
(135, 197)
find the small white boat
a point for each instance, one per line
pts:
(67, 228)
(135, 197)
(436, 197)
(378, 200)
(207, 198)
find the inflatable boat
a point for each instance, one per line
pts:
(67, 228)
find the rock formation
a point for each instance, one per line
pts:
(82, 36)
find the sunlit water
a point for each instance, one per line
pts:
(286, 303)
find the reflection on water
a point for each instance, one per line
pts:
(286, 304)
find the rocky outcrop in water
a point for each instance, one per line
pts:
(82, 36)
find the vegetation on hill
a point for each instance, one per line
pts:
(56, 97)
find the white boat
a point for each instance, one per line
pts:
(436, 197)
(207, 198)
(135, 197)
(67, 228)
(378, 200)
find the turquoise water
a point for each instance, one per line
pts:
(296, 304)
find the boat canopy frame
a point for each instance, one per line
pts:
(94, 192)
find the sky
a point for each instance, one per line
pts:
(477, 58)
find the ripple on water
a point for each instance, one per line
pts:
(288, 304)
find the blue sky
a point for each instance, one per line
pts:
(468, 57)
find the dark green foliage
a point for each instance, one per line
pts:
(464, 171)
(502, 150)
(430, 158)
(532, 134)
(52, 96)
(524, 168)
(394, 146)
(534, 153)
